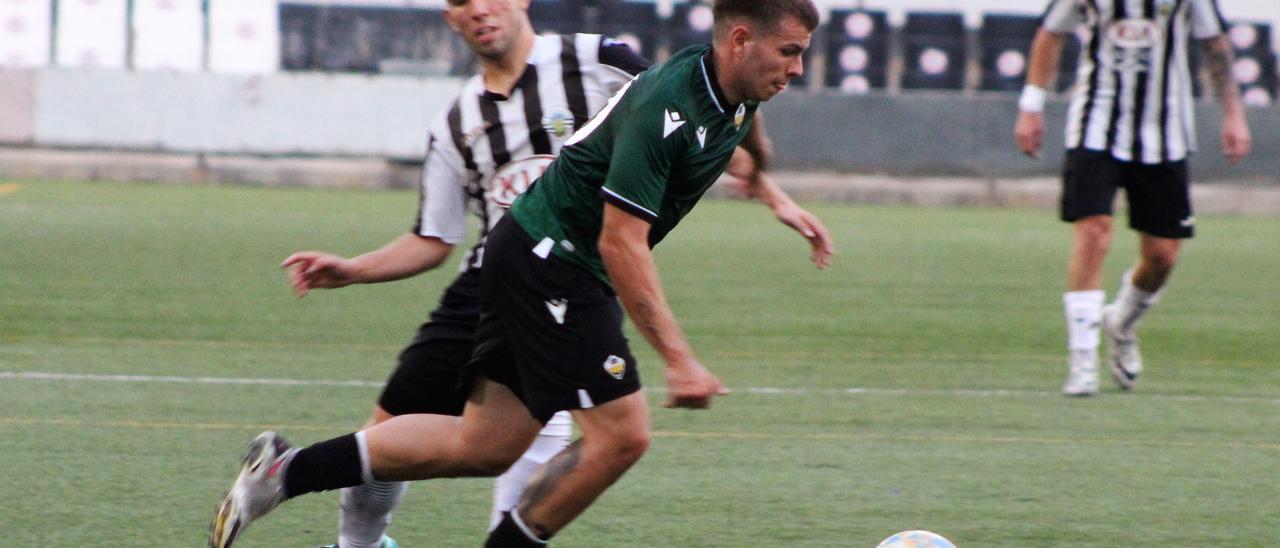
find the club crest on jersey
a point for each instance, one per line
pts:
(514, 177)
(740, 117)
(615, 366)
(558, 123)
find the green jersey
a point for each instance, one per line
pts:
(653, 151)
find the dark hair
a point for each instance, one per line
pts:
(765, 13)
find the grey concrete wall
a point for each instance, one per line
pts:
(914, 134)
(302, 114)
(17, 106)
(951, 135)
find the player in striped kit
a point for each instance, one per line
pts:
(497, 136)
(1129, 125)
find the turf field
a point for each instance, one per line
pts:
(912, 385)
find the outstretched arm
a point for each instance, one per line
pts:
(406, 256)
(1028, 132)
(624, 247)
(796, 217)
(1236, 138)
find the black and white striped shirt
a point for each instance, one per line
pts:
(1133, 87)
(486, 147)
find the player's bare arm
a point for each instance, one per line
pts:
(796, 217)
(1028, 132)
(401, 258)
(750, 159)
(624, 248)
(758, 144)
(1237, 141)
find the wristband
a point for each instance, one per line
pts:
(1032, 99)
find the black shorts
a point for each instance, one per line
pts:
(548, 329)
(1159, 195)
(426, 377)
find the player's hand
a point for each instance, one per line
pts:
(1236, 138)
(691, 386)
(808, 225)
(314, 269)
(1028, 133)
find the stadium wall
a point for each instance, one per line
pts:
(355, 116)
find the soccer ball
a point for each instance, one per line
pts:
(915, 539)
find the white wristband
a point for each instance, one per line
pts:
(1032, 99)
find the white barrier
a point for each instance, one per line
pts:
(25, 26)
(93, 34)
(168, 35)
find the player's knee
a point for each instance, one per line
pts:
(627, 448)
(1095, 231)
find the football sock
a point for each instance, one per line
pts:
(510, 485)
(512, 533)
(1132, 303)
(1084, 315)
(330, 464)
(365, 512)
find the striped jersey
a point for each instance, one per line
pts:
(487, 147)
(1133, 87)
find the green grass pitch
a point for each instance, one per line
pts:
(912, 385)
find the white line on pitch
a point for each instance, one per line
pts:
(45, 376)
(42, 376)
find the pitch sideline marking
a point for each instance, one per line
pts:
(959, 392)
(810, 436)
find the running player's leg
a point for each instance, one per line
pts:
(614, 436)
(364, 511)
(508, 488)
(424, 381)
(1160, 210)
(493, 431)
(1089, 184)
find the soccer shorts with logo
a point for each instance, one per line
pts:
(426, 377)
(548, 329)
(1159, 195)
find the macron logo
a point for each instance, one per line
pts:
(702, 136)
(672, 122)
(1188, 222)
(557, 307)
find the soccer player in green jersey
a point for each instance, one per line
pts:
(573, 246)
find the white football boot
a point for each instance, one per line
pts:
(1125, 362)
(1082, 374)
(257, 489)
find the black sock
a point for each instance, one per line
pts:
(508, 535)
(330, 464)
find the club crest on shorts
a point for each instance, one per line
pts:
(615, 366)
